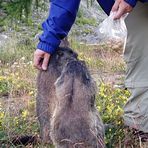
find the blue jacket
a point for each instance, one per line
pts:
(61, 18)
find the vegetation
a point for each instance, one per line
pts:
(17, 93)
(81, 20)
(22, 9)
(18, 8)
(18, 77)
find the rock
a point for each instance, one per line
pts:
(3, 39)
(87, 33)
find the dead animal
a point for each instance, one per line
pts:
(66, 104)
(46, 97)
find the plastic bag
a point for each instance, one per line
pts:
(113, 33)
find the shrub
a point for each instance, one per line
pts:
(110, 102)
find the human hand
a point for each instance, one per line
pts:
(120, 8)
(41, 59)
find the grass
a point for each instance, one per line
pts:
(18, 91)
(81, 20)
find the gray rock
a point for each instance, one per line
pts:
(93, 12)
(3, 39)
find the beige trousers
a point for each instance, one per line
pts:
(136, 58)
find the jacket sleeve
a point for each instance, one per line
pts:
(107, 4)
(131, 2)
(60, 20)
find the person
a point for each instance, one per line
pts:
(136, 78)
(61, 18)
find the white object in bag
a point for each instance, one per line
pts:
(111, 29)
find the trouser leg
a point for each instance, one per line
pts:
(136, 58)
(136, 109)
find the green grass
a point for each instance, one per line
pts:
(13, 50)
(81, 20)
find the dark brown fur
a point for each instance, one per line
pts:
(66, 104)
(46, 98)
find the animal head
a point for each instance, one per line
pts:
(61, 57)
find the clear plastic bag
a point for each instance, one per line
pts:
(113, 33)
